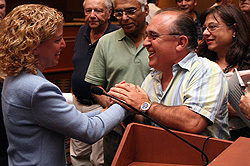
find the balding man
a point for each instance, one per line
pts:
(183, 92)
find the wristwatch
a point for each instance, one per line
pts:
(145, 106)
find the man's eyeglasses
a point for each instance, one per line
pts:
(154, 36)
(211, 27)
(128, 12)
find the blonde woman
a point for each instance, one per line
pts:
(36, 115)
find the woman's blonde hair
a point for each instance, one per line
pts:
(21, 31)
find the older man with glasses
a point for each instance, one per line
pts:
(119, 56)
(183, 91)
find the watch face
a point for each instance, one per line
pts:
(145, 106)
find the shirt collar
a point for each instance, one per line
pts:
(121, 34)
(185, 63)
(197, 17)
(156, 74)
(39, 73)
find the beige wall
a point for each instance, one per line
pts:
(202, 4)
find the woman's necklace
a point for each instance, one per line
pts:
(228, 68)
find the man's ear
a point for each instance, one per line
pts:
(182, 43)
(110, 12)
(146, 8)
(195, 2)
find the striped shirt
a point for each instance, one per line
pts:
(199, 84)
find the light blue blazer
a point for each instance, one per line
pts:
(37, 117)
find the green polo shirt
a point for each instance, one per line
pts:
(116, 59)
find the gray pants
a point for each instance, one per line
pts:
(83, 154)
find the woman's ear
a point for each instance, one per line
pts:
(234, 30)
(234, 34)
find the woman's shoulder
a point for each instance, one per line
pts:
(26, 82)
(32, 79)
(25, 86)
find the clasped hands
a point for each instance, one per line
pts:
(132, 94)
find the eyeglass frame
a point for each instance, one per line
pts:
(152, 37)
(121, 12)
(211, 30)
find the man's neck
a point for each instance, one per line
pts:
(97, 33)
(100, 29)
(167, 75)
(193, 14)
(167, 72)
(248, 15)
(137, 37)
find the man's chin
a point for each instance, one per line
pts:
(129, 30)
(94, 25)
(245, 7)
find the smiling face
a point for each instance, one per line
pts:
(217, 36)
(48, 52)
(160, 44)
(2, 9)
(186, 5)
(96, 13)
(135, 23)
(244, 5)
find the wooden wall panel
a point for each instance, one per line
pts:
(69, 8)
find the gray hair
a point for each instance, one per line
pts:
(108, 4)
(142, 2)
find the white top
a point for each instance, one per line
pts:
(152, 10)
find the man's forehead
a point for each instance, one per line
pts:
(169, 15)
(163, 19)
(126, 3)
(186, 0)
(95, 1)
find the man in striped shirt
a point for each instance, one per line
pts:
(183, 91)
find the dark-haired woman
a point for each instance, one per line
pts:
(226, 41)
